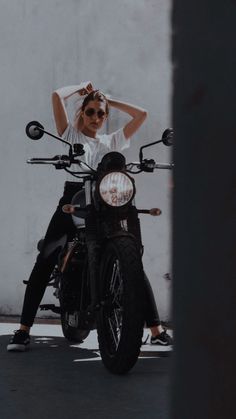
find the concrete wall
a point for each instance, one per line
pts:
(123, 47)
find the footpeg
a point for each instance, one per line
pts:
(51, 307)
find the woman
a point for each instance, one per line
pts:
(89, 119)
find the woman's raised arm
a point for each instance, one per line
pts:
(58, 103)
(138, 116)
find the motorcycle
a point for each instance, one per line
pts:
(99, 276)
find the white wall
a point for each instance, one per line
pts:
(123, 47)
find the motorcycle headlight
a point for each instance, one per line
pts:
(116, 189)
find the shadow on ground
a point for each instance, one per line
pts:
(57, 379)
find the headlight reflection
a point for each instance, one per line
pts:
(116, 189)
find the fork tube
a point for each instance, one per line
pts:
(87, 186)
(92, 245)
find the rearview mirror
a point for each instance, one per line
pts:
(34, 130)
(168, 137)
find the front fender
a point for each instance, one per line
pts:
(121, 233)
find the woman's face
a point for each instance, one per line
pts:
(93, 117)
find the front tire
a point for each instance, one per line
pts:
(121, 318)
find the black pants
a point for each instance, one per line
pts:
(60, 225)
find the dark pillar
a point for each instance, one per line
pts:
(204, 211)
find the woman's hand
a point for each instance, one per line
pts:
(86, 88)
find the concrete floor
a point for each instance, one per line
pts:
(64, 381)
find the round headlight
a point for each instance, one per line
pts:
(116, 189)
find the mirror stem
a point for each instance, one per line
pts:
(57, 138)
(144, 146)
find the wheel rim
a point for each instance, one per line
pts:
(114, 308)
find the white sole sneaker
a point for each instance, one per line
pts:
(14, 347)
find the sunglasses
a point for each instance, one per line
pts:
(91, 112)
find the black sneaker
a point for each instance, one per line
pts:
(162, 339)
(19, 342)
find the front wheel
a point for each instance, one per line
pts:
(121, 318)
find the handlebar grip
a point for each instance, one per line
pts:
(164, 166)
(42, 161)
(56, 161)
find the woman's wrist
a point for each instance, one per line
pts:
(68, 91)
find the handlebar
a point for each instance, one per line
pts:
(57, 160)
(63, 162)
(35, 131)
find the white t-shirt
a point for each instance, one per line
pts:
(95, 148)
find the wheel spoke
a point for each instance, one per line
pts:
(115, 273)
(114, 334)
(115, 315)
(116, 324)
(116, 284)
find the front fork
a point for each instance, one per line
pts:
(93, 249)
(134, 228)
(91, 235)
